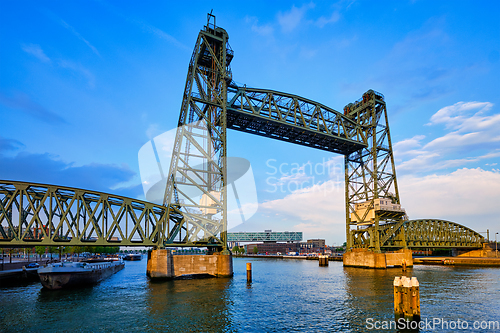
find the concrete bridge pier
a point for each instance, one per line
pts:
(368, 259)
(163, 265)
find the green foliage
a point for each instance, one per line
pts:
(40, 250)
(255, 250)
(239, 250)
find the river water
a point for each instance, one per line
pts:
(285, 296)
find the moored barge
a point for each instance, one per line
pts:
(76, 274)
(133, 257)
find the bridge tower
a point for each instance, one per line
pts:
(373, 206)
(196, 183)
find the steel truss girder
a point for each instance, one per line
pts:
(49, 215)
(292, 118)
(425, 233)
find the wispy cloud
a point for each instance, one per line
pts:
(454, 116)
(160, 33)
(289, 20)
(80, 69)
(470, 131)
(322, 21)
(77, 34)
(23, 102)
(146, 27)
(35, 50)
(261, 29)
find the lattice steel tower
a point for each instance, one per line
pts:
(373, 207)
(196, 186)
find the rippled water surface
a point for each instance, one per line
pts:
(285, 296)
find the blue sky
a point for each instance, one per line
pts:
(83, 85)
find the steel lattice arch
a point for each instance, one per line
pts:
(424, 233)
(440, 233)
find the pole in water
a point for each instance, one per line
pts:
(406, 299)
(398, 310)
(404, 265)
(249, 272)
(323, 260)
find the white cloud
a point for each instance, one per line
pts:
(261, 29)
(36, 51)
(455, 115)
(472, 132)
(466, 196)
(322, 21)
(317, 209)
(291, 19)
(408, 146)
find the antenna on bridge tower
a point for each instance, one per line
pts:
(209, 16)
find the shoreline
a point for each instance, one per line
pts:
(443, 261)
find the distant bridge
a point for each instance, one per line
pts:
(425, 233)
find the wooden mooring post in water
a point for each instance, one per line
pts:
(249, 272)
(406, 298)
(323, 260)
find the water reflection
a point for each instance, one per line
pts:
(197, 305)
(284, 296)
(369, 294)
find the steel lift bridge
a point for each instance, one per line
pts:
(194, 210)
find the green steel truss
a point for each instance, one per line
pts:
(426, 233)
(40, 214)
(292, 119)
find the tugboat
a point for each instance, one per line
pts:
(76, 274)
(133, 257)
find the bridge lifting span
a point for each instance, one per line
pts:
(211, 104)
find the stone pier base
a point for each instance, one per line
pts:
(369, 259)
(163, 265)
